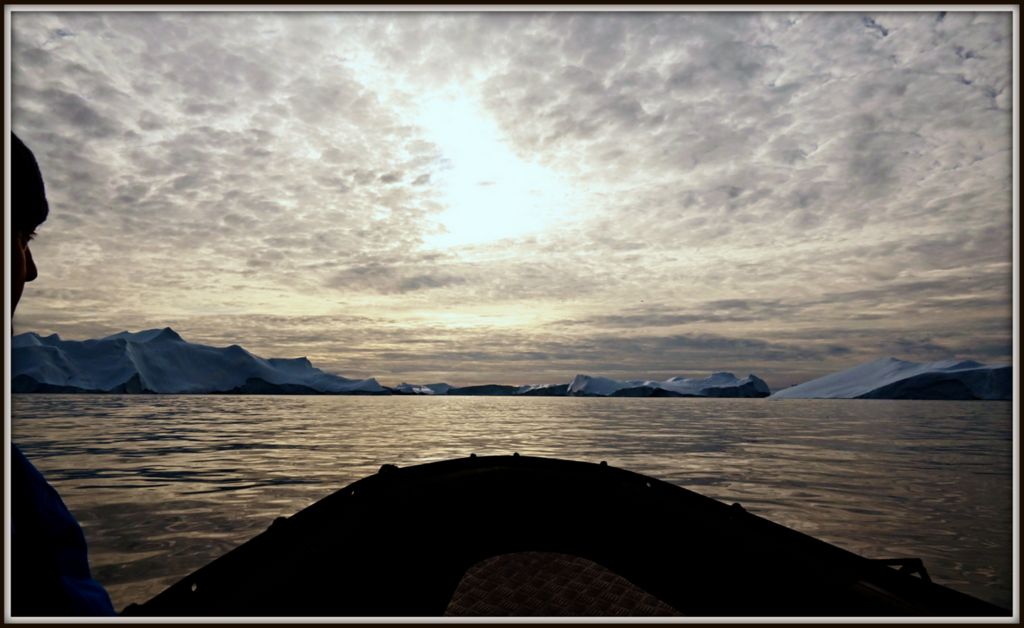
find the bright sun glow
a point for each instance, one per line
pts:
(489, 193)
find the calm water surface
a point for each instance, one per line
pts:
(164, 484)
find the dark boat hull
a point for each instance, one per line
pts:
(398, 543)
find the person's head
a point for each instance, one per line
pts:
(28, 210)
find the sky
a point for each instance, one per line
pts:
(520, 197)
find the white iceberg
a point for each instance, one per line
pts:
(720, 384)
(423, 389)
(598, 386)
(890, 378)
(160, 361)
(543, 390)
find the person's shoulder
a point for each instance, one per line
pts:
(50, 555)
(37, 509)
(25, 476)
(22, 470)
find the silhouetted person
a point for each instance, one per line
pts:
(49, 561)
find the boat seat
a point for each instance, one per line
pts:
(548, 584)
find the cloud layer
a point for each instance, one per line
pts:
(784, 194)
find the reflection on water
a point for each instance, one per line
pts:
(164, 484)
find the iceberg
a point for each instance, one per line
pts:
(590, 386)
(422, 389)
(543, 390)
(161, 361)
(720, 384)
(891, 378)
(484, 390)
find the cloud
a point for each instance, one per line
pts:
(390, 279)
(779, 192)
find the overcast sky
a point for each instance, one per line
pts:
(519, 197)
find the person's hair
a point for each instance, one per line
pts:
(28, 194)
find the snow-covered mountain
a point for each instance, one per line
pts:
(889, 378)
(715, 385)
(160, 361)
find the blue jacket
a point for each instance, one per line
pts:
(49, 561)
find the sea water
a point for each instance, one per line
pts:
(162, 485)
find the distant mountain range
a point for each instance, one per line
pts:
(161, 361)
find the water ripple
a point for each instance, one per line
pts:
(164, 484)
